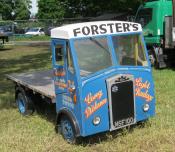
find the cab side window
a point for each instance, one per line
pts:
(59, 55)
(70, 60)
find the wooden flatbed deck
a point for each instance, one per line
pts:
(41, 82)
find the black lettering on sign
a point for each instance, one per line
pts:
(103, 29)
(94, 29)
(76, 31)
(135, 27)
(126, 27)
(111, 28)
(86, 30)
(118, 27)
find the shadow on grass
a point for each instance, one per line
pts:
(108, 136)
(45, 110)
(19, 63)
(5, 49)
(25, 63)
(48, 112)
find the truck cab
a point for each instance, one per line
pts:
(151, 15)
(102, 77)
(155, 16)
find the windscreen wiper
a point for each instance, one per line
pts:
(99, 44)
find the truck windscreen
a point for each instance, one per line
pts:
(144, 16)
(130, 50)
(93, 54)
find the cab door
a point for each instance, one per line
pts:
(59, 65)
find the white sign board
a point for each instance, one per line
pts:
(90, 29)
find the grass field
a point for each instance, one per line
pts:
(36, 133)
(32, 38)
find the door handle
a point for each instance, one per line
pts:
(72, 88)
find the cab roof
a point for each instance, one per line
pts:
(89, 29)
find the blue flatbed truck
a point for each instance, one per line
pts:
(101, 79)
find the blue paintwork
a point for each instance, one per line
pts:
(97, 82)
(21, 105)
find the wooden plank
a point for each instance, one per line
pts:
(41, 82)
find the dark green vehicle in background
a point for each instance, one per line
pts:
(157, 19)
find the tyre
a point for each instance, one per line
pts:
(67, 130)
(151, 58)
(24, 103)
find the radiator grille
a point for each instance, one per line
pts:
(121, 101)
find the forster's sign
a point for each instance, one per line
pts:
(108, 28)
(94, 29)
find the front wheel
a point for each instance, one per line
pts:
(67, 130)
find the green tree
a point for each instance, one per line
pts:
(15, 9)
(50, 9)
(6, 9)
(21, 9)
(74, 8)
(56, 9)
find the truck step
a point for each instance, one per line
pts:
(162, 65)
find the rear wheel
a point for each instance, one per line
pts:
(24, 103)
(152, 58)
